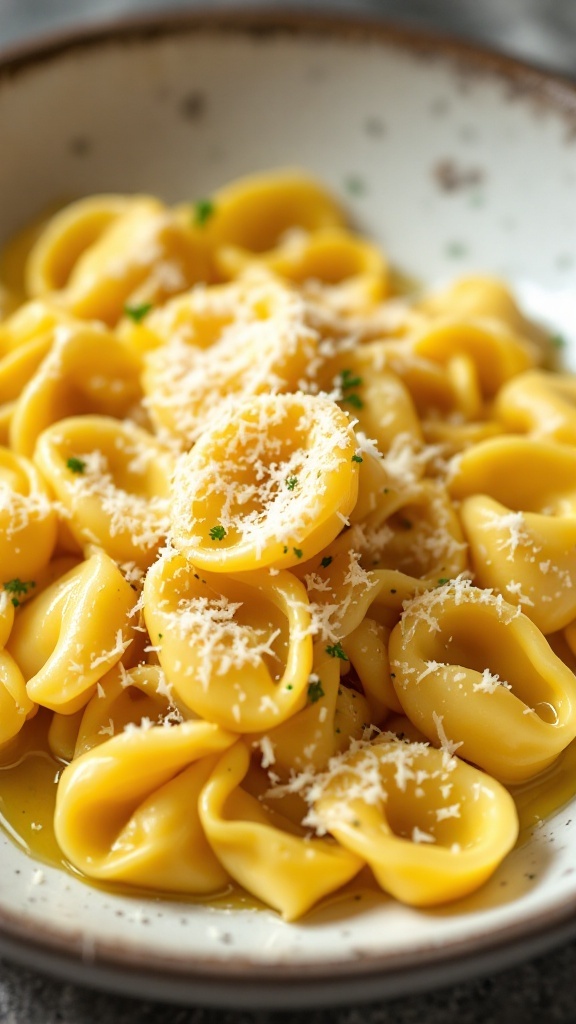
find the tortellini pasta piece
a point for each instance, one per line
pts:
(113, 480)
(268, 856)
(255, 213)
(484, 297)
(271, 484)
(496, 353)
(28, 524)
(431, 828)
(364, 385)
(86, 370)
(518, 512)
(127, 809)
(330, 264)
(68, 234)
(476, 676)
(65, 639)
(236, 649)
(266, 348)
(541, 404)
(139, 254)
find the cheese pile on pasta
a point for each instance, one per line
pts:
(288, 556)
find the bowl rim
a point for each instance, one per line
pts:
(112, 964)
(558, 88)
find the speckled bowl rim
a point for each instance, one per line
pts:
(114, 964)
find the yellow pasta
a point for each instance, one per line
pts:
(119, 811)
(287, 549)
(271, 484)
(113, 480)
(422, 849)
(67, 637)
(288, 871)
(473, 669)
(244, 637)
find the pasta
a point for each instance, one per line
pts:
(288, 553)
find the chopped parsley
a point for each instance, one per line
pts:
(315, 691)
(354, 400)
(443, 580)
(75, 465)
(326, 561)
(357, 458)
(203, 210)
(137, 313)
(217, 533)
(349, 380)
(291, 482)
(18, 588)
(355, 185)
(336, 651)
(298, 552)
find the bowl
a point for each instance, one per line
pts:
(455, 160)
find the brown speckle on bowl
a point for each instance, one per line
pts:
(451, 176)
(80, 145)
(193, 106)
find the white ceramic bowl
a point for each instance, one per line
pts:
(453, 159)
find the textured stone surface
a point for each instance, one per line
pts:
(539, 992)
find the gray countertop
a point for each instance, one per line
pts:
(542, 990)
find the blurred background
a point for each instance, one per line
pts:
(541, 31)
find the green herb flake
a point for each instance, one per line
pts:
(137, 313)
(291, 482)
(355, 185)
(357, 458)
(336, 651)
(18, 588)
(350, 380)
(204, 209)
(456, 250)
(443, 580)
(217, 533)
(298, 552)
(354, 400)
(75, 465)
(315, 691)
(326, 561)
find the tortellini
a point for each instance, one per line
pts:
(270, 484)
(287, 551)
